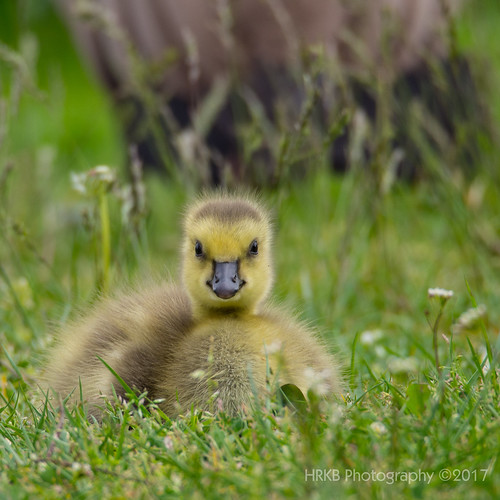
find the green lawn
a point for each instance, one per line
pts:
(355, 261)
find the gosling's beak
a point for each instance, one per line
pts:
(225, 282)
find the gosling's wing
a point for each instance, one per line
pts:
(134, 333)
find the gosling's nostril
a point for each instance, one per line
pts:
(234, 278)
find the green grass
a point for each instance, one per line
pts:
(354, 261)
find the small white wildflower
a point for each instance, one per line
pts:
(380, 351)
(440, 293)
(78, 182)
(91, 182)
(273, 347)
(369, 337)
(469, 318)
(318, 381)
(198, 373)
(378, 428)
(76, 467)
(103, 173)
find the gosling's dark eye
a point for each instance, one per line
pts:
(254, 248)
(198, 249)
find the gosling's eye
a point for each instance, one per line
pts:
(198, 249)
(254, 248)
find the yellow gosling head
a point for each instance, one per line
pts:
(227, 254)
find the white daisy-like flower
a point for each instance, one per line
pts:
(378, 427)
(369, 337)
(103, 173)
(469, 318)
(76, 466)
(91, 182)
(440, 293)
(78, 182)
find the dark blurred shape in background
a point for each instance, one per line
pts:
(213, 84)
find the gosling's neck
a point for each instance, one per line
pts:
(203, 313)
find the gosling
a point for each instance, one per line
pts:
(211, 343)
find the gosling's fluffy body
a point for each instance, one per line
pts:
(183, 343)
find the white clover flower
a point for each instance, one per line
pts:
(440, 293)
(76, 466)
(378, 427)
(469, 319)
(318, 381)
(369, 337)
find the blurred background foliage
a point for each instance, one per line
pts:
(61, 102)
